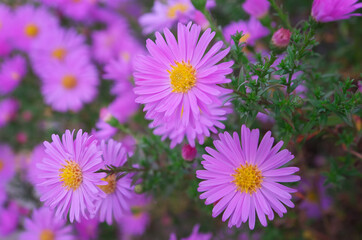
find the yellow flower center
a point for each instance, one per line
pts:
(71, 175)
(244, 38)
(1, 164)
(247, 178)
(111, 186)
(178, 7)
(183, 77)
(15, 76)
(125, 56)
(31, 30)
(47, 235)
(69, 82)
(59, 53)
(312, 196)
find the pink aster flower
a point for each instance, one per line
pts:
(30, 24)
(123, 107)
(67, 178)
(252, 31)
(256, 8)
(70, 84)
(118, 191)
(9, 219)
(87, 229)
(6, 25)
(57, 45)
(44, 225)
(195, 235)
(179, 84)
(8, 110)
(334, 10)
(135, 222)
(7, 164)
(77, 9)
(244, 178)
(165, 15)
(12, 72)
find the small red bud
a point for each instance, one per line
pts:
(281, 38)
(188, 152)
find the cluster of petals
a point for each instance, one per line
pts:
(179, 83)
(12, 71)
(243, 178)
(334, 10)
(256, 8)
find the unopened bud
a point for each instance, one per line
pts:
(281, 38)
(188, 152)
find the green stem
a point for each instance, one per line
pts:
(213, 25)
(280, 13)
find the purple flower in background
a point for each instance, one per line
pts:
(334, 10)
(7, 164)
(6, 26)
(57, 45)
(165, 15)
(244, 178)
(118, 191)
(12, 72)
(3, 194)
(70, 84)
(87, 229)
(195, 235)
(9, 219)
(67, 179)
(129, 143)
(135, 222)
(30, 23)
(252, 31)
(265, 118)
(123, 107)
(36, 157)
(77, 9)
(8, 110)
(256, 8)
(104, 130)
(178, 83)
(44, 225)
(316, 199)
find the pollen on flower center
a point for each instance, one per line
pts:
(59, 53)
(31, 30)
(69, 82)
(111, 186)
(247, 178)
(183, 77)
(178, 7)
(244, 38)
(1, 165)
(47, 235)
(71, 175)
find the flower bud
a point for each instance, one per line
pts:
(188, 152)
(281, 38)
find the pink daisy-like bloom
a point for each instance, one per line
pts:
(57, 45)
(87, 229)
(6, 26)
(179, 84)
(244, 178)
(165, 15)
(67, 178)
(7, 164)
(123, 107)
(70, 84)
(256, 8)
(77, 9)
(12, 72)
(30, 24)
(118, 191)
(9, 219)
(135, 222)
(195, 235)
(8, 110)
(44, 225)
(334, 10)
(252, 31)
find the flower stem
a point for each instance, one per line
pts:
(280, 13)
